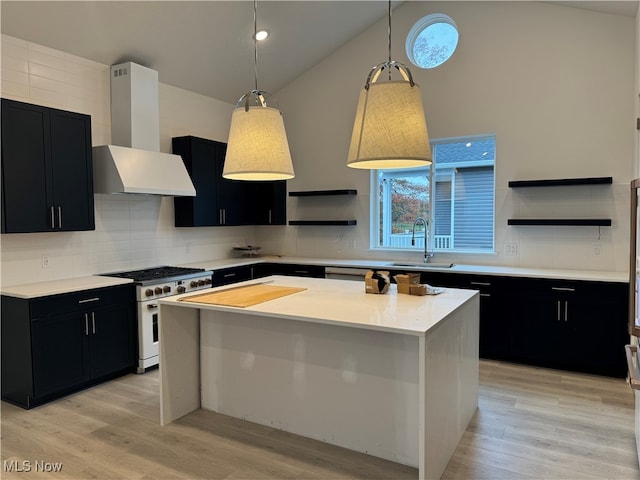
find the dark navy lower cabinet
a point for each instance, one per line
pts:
(58, 344)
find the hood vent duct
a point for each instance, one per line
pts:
(134, 163)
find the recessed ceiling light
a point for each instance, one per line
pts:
(261, 35)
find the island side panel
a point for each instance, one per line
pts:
(179, 340)
(451, 378)
(351, 387)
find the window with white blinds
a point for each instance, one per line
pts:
(459, 208)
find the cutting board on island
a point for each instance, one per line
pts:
(244, 296)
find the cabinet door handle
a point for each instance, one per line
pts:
(86, 324)
(563, 289)
(269, 216)
(229, 275)
(220, 216)
(485, 294)
(93, 322)
(484, 284)
(566, 310)
(224, 216)
(87, 300)
(301, 271)
(558, 303)
(59, 217)
(53, 218)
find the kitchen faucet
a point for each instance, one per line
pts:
(427, 255)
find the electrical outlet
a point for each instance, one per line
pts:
(45, 261)
(597, 250)
(352, 243)
(511, 249)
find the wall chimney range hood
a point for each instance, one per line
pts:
(134, 163)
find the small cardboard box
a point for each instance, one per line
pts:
(419, 290)
(376, 281)
(405, 280)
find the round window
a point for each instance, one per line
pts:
(432, 40)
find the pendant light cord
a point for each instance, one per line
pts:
(389, 35)
(255, 42)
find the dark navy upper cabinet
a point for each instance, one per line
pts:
(220, 201)
(47, 173)
(268, 203)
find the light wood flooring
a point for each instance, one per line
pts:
(531, 424)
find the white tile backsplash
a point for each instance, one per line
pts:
(131, 231)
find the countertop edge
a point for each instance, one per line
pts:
(557, 274)
(57, 287)
(68, 285)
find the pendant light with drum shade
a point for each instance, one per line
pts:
(390, 130)
(257, 148)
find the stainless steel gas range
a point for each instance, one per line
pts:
(153, 284)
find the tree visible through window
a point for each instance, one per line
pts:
(456, 197)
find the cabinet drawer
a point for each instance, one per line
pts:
(225, 276)
(299, 270)
(84, 300)
(572, 288)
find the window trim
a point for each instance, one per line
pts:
(375, 200)
(423, 25)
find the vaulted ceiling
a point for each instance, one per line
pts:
(207, 46)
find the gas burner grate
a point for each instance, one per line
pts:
(155, 273)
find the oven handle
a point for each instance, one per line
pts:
(634, 382)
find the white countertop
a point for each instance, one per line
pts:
(590, 275)
(41, 289)
(67, 285)
(345, 302)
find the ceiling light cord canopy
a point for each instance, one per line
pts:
(390, 129)
(257, 148)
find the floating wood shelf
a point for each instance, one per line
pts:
(559, 182)
(570, 222)
(323, 222)
(317, 193)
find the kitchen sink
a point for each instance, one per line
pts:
(421, 264)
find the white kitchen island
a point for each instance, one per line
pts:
(395, 376)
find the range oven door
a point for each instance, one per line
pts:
(147, 335)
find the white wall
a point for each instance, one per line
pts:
(553, 83)
(131, 231)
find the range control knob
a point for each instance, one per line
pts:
(193, 284)
(207, 281)
(166, 289)
(148, 292)
(181, 289)
(200, 283)
(158, 290)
